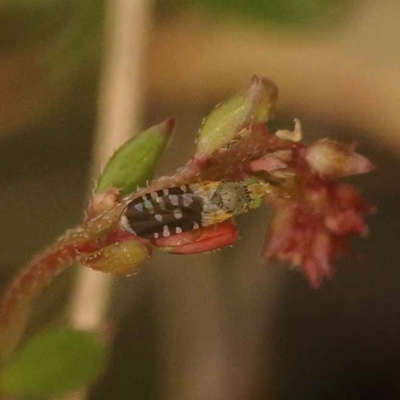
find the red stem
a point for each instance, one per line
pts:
(18, 298)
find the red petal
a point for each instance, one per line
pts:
(200, 240)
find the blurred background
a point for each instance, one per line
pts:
(221, 325)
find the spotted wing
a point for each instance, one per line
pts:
(164, 213)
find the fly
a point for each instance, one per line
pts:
(171, 211)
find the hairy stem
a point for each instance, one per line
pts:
(18, 298)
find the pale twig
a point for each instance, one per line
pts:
(120, 104)
(119, 114)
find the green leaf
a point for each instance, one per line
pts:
(133, 164)
(52, 363)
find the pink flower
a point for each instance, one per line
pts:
(314, 214)
(311, 229)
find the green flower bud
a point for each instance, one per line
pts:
(133, 164)
(233, 118)
(120, 258)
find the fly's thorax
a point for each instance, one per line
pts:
(233, 197)
(222, 200)
(239, 197)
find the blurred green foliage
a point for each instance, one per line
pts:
(71, 31)
(299, 13)
(74, 28)
(52, 363)
(26, 23)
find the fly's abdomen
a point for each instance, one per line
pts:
(163, 213)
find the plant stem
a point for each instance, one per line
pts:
(18, 298)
